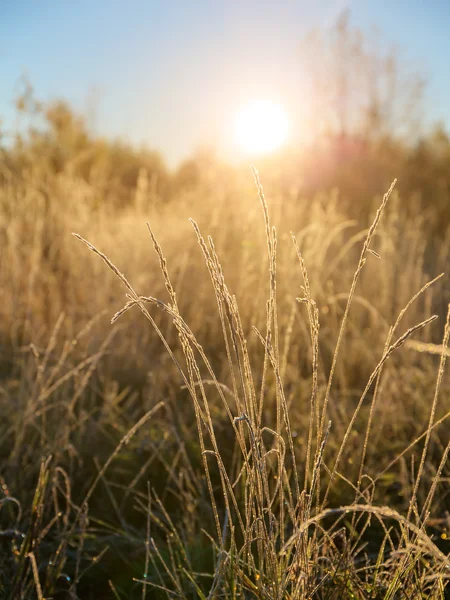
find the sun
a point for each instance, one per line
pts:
(261, 127)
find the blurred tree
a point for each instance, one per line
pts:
(427, 175)
(202, 170)
(57, 142)
(357, 88)
(365, 107)
(187, 175)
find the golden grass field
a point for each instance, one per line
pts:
(266, 417)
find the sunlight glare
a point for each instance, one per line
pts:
(261, 127)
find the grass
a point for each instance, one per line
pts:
(268, 435)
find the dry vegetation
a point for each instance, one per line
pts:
(267, 419)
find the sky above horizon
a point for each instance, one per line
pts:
(172, 75)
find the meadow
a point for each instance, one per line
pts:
(235, 392)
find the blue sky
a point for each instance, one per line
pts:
(172, 73)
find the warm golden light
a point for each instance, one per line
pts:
(261, 127)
